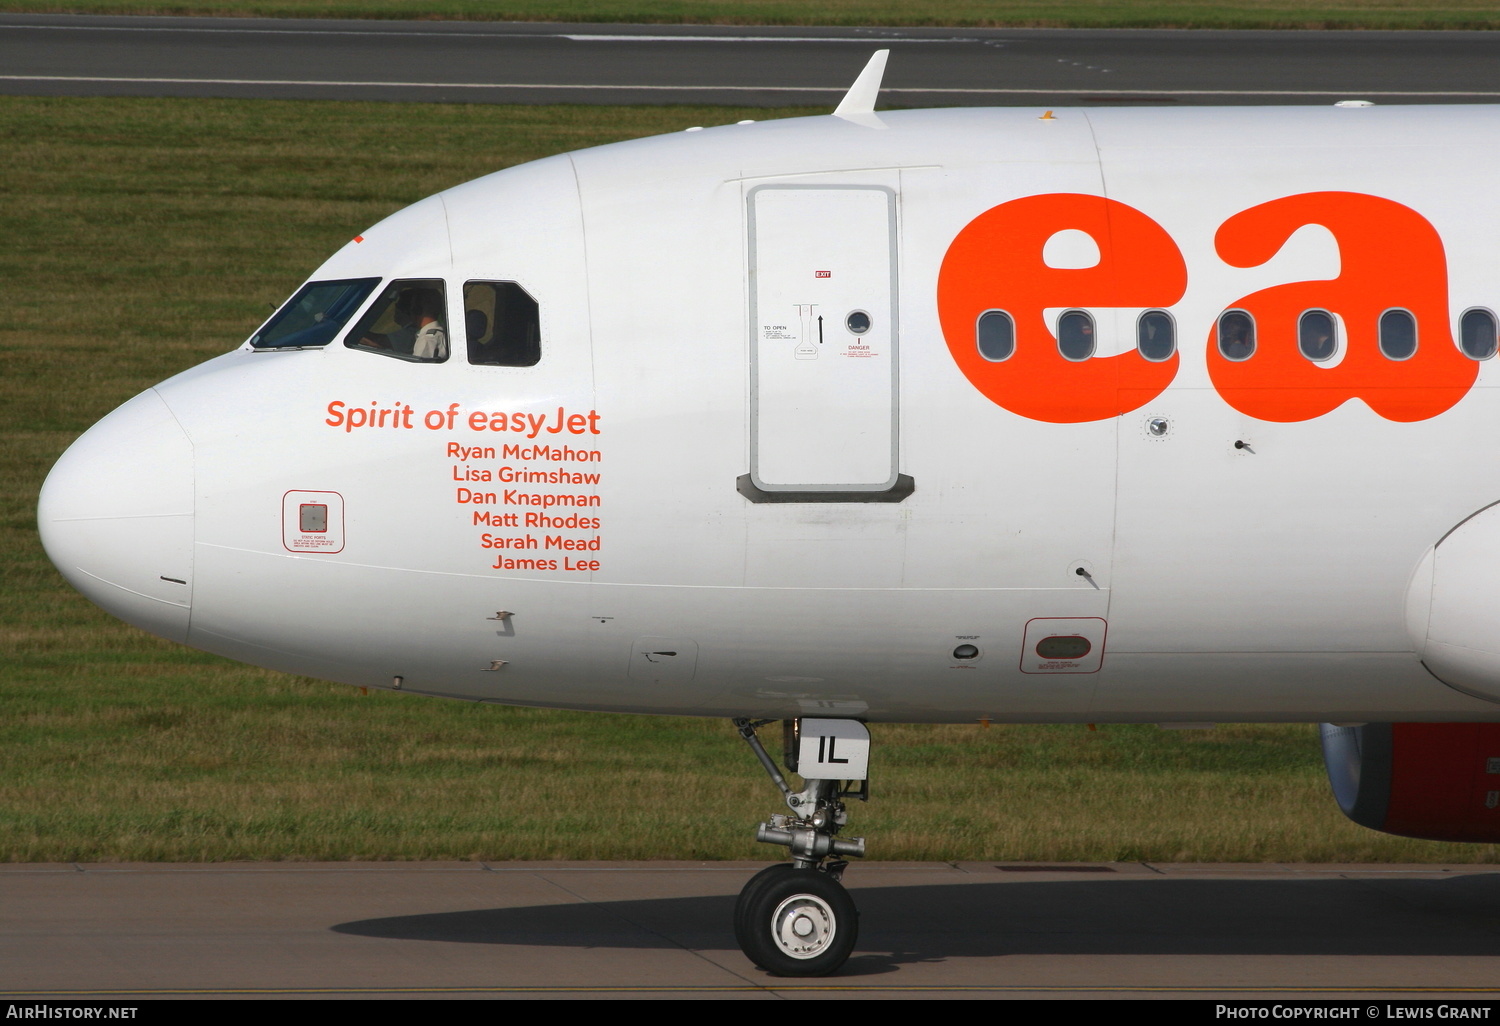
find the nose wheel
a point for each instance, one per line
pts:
(796, 919)
(796, 922)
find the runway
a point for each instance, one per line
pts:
(493, 62)
(659, 929)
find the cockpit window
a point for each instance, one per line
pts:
(409, 321)
(314, 315)
(502, 324)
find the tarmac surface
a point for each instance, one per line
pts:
(508, 62)
(659, 929)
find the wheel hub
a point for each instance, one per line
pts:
(803, 926)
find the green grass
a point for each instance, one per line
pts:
(144, 235)
(1366, 14)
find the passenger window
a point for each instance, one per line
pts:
(502, 324)
(1155, 336)
(314, 315)
(1398, 334)
(995, 334)
(1236, 335)
(1075, 335)
(1315, 331)
(1477, 330)
(409, 321)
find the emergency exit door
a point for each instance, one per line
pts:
(823, 405)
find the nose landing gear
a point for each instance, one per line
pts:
(796, 919)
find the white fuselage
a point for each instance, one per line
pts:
(616, 498)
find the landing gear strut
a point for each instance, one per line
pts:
(796, 919)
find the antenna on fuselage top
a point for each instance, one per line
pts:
(858, 104)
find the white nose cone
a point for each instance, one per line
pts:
(116, 516)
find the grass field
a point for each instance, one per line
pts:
(1238, 14)
(143, 235)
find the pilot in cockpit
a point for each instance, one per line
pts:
(418, 313)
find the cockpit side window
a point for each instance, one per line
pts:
(502, 324)
(408, 321)
(314, 315)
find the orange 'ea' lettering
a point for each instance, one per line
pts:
(995, 263)
(1390, 257)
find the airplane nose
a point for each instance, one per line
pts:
(116, 516)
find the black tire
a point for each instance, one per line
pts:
(747, 893)
(798, 922)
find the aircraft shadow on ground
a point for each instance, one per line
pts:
(1454, 916)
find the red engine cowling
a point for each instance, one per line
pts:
(1438, 781)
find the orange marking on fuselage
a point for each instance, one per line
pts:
(995, 263)
(1390, 257)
